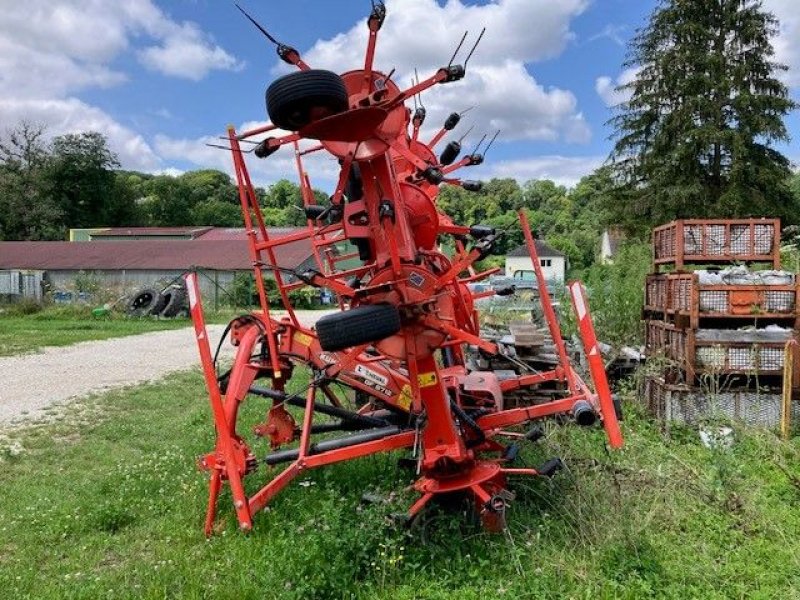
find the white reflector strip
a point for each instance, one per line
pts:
(577, 298)
(190, 287)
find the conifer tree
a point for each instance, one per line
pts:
(696, 137)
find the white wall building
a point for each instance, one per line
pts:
(554, 263)
(610, 243)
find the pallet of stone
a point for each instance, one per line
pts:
(749, 352)
(705, 241)
(686, 299)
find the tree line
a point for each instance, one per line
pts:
(74, 182)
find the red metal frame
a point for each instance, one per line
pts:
(419, 373)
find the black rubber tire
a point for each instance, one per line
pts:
(297, 99)
(359, 325)
(143, 302)
(159, 306)
(175, 301)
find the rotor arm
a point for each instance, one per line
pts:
(443, 75)
(256, 131)
(469, 185)
(271, 145)
(450, 123)
(286, 53)
(466, 161)
(291, 56)
(374, 23)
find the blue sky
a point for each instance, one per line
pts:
(162, 77)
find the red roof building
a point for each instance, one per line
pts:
(139, 256)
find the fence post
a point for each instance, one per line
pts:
(786, 396)
(216, 290)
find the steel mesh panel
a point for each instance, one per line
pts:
(654, 397)
(693, 239)
(712, 357)
(764, 238)
(654, 337)
(740, 239)
(742, 359)
(665, 243)
(681, 407)
(778, 301)
(656, 291)
(715, 240)
(676, 342)
(754, 407)
(771, 359)
(714, 301)
(680, 293)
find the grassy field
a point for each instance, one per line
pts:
(63, 327)
(106, 503)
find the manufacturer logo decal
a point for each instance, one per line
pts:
(371, 375)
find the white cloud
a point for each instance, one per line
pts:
(423, 34)
(787, 43)
(322, 168)
(64, 45)
(185, 52)
(171, 171)
(563, 170)
(52, 49)
(606, 87)
(615, 33)
(71, 115)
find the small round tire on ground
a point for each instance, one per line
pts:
(297, 99)
(143, 302)
(359, 325)
(174, 301)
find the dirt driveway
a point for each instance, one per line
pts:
(33, 382)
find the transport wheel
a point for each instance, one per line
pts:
(143, 302)
(174, 301)
(357, 326)
(297, 99)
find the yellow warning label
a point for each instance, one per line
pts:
(302, 338)
(427, 379)
(405, 398)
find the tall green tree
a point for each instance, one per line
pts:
(27, 211)
(81, 180)
(695, 138)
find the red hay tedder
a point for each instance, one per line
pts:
(407, 317)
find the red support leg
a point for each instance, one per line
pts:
(596, 366)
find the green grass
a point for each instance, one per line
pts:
(107, 503)
(63, 326)
(59, 327)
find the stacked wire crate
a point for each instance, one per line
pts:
(717, 322)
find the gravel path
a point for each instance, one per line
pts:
(33, 382)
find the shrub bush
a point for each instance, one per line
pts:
(87, 282)
(243, 292)
(616, 295)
